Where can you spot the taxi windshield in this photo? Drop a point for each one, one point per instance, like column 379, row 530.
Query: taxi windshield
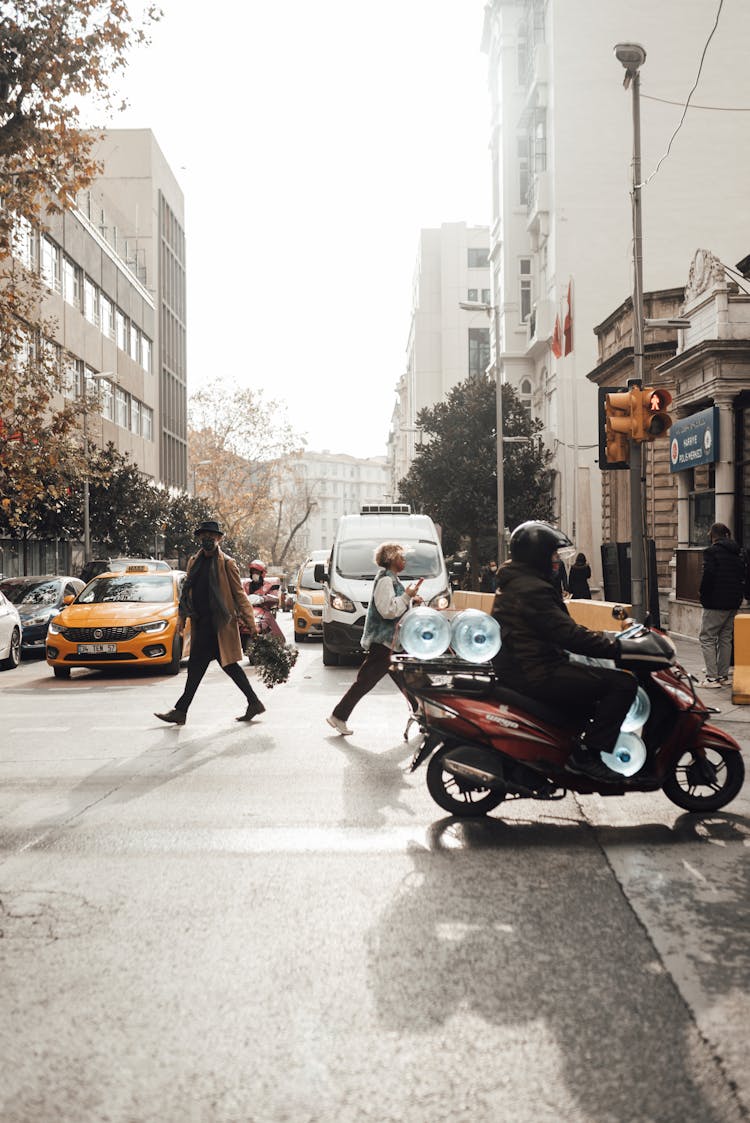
column 37, row 592
column 134, row 587
column 307, row 579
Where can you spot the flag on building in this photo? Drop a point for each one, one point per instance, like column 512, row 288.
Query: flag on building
column 568, row 323
column 556, row 340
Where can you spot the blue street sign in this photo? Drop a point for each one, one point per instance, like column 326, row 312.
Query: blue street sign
column 694, row 440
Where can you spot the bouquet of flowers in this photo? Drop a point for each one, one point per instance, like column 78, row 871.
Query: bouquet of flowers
column 272, row 660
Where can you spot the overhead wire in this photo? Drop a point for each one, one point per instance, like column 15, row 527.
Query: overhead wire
column 687, row 103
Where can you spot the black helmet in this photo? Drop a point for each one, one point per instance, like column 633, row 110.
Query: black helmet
column 534, row 543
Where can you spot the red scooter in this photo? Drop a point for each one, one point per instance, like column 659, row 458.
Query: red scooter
column 486, row 744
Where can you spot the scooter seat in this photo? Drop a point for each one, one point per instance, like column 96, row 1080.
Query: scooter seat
column 504, row 696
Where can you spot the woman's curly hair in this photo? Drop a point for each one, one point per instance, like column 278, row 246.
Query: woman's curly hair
column 387, row 552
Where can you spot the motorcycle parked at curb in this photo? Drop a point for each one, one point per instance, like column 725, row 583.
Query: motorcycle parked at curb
column 485, row 743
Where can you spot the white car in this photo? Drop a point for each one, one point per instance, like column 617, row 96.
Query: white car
column 10, row 635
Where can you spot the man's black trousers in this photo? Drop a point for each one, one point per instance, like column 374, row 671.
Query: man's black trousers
column 204, row 647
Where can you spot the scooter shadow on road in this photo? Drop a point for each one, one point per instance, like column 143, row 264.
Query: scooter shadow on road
column 373, row 783
column 522, row 925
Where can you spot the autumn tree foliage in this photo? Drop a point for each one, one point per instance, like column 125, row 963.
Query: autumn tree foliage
column 236, row 441
column 454, row 475
column 53, row 54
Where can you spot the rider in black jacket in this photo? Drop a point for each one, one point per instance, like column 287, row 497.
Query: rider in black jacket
column 537, row 632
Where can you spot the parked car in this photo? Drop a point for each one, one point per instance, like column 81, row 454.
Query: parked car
column 38, row 599
column 121, row 619
column 10, row 635
column 307, row 612
column 118, row 565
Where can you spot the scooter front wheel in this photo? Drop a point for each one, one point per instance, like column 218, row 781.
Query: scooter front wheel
column 707, row 781
column 455, row 795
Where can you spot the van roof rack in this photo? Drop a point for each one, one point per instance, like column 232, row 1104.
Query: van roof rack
column 385, row 509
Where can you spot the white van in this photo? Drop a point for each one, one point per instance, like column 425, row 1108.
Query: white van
column 349, row 576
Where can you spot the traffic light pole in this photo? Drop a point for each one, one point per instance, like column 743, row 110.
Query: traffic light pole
column 636, row 456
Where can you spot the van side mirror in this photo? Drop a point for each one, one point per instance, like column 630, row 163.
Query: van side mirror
column 319, row 573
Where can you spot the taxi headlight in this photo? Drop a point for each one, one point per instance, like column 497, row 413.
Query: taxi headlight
column 54, row 629
column 154, row 627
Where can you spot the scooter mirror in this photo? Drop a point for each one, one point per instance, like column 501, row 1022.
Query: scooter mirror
column 628, row 755
column 475, row 636
column 424, row 632
column 638, row 714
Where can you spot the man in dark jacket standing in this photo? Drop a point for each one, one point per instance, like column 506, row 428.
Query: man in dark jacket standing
column 212, row 598
column 723, row 585
column 537, row 632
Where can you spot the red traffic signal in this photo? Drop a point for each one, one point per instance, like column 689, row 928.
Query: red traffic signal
column 651, row 419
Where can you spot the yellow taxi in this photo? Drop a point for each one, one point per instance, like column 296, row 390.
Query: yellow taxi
column 307, row 611
column 126, row 619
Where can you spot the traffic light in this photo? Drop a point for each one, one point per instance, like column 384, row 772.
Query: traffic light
column 618, row 415
column 650, row 417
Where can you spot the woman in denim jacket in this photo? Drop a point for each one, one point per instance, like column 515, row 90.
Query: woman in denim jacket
column 390, row 600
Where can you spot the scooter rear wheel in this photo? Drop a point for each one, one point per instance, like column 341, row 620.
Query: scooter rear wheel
column 705, row 784
column 457, row 796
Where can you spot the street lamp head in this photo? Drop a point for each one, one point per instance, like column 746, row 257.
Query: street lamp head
column 632, row 56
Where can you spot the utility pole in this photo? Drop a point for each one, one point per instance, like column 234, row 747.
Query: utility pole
column 632, row 56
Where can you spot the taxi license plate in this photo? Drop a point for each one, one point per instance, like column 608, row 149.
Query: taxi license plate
column 97, row 648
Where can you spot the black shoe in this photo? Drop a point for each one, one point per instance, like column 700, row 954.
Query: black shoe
column 176, row 717
column 582, row 762
column 253, row 709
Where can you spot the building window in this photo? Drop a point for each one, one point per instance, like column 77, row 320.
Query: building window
column 23, row 241
column 524, row 393
column 108, row 398
column 479, row 351
column 146, row 353
column 147, row 423
column 473, row 294
column 72, row 377
column 121, row 408
column 71, row 283
column 106, row 316
column 485, row 297
column 134, row 348
column 135, row 416
column 524, row 288
column 50, row 263
column 478, row 258
column 523, row 170
column 702, row 506
column 121, row 330
column 90, row 302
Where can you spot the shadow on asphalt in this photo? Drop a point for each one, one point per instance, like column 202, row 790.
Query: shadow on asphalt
column 523, row 926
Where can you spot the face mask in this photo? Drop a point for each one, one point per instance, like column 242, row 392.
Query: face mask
column 208, row 544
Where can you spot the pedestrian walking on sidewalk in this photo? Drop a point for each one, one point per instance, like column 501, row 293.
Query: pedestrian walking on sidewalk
column 723, row 585
column 578, row 578
column 389, row 601
column 212, row 598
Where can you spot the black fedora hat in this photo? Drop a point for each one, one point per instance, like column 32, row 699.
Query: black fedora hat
column 209, row 526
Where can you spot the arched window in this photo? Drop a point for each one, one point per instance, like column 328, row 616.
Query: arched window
column 524, row 394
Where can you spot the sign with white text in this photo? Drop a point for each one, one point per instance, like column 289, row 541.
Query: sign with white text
column 694, row 440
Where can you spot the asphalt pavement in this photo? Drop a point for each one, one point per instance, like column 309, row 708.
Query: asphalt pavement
column 269, row 923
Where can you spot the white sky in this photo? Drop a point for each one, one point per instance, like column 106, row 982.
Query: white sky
column 313, row 141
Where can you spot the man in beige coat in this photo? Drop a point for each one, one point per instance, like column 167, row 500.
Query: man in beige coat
column 212, row 598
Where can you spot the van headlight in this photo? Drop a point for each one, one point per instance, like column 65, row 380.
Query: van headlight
column 441, row 601
column 341, row 603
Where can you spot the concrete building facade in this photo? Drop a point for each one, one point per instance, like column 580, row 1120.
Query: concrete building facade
column 446, row 343
column 144, row 214
column 561, row 142
column 339, row 484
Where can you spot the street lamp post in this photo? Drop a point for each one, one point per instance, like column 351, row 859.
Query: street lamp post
column 196, row 466
column 86, row 494
column 632, row 56
column 481, row 306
